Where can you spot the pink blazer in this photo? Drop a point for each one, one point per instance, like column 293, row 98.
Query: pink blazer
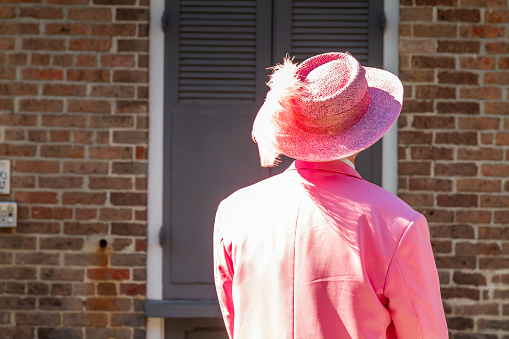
column 318, row 252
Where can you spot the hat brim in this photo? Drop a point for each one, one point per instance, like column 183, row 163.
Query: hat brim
column 386, row 97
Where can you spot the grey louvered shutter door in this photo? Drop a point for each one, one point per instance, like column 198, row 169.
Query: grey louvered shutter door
column 217, row 53
column 309, row 27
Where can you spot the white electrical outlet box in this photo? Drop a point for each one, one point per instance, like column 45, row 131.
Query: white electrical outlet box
column 5, row 176
column 8, row 214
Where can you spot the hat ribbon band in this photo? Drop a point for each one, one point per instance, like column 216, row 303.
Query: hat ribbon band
column 336, row 123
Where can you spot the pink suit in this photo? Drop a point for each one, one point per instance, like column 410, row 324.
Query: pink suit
column 318, row 252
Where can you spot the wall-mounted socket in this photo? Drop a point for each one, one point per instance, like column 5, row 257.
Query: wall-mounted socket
column 5, row 176
column 8, row 214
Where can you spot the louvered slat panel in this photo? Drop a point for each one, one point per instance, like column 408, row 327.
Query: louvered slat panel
column 217, row 54
column 323, row 26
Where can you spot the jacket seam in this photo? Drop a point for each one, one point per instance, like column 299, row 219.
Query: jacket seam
column 400, row 273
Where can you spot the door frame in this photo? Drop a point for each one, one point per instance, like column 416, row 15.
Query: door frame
column 155, row 326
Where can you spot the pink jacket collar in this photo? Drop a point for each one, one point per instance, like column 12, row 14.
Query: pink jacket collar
column 330, row 166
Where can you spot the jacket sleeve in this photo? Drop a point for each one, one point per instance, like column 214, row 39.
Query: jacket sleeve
column 412, row 286
column 223, row 277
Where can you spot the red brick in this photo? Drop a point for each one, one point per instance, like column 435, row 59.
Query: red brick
column 480, row 93
column 483, row 3
column 456, row 138
column 85, row 319
column 42, row 74
column 493, row 263
column 457, row 200
column 106, row 289
column 7, row 12
column 497, row 170
column 460, row 323
column 462, row 15
column 114, row 30
column 39, row 212
column 134, row 45
column 456, row 169
column 61, row 274
column 17, row 89
column 479, row 154
column 459, row 262
column 482, row 31
column 430, row 184
column 496, row 201
column 72, row 198
column 135, row 76
column 497, row 47
column 415, row 14
column 433, row 91
column 16, row 303
column 18, row 273
column 132, row 14
column 85, row 259
column 96, row 45
column 493, row 324
column 60, row 136
column 436, row 2
column 502, row 139
column 141, row 183
column 114, row 91
column 85, row 167
column 128, row 229
column 496, row 16
column 132, row 168
column 59, row 332
column 64, row 90
column 433, row 122
column 40, row 105
column 61, row 289
column 39, row 59
column 479, row 185
column 85, row 213
column 61, row 213
column 417, row 199
column 496, row 107
column 44, row 44
column 33, row 197
column 412, row 46
column 7, row 43
column 141, row 153
column 432, row 62
column 111, row 152
column 64, row 60
column 128, row 259
column 8, row 73
column 60, row 182
column 90, row 14
column 40, row 12
column 65, row 120
column 62, row 151
column 477, row 62
column 66, row 29
column 478, row 123
column 111, row 121
column 96, row 75
column 503, row 63
column 474, row 216
column 465, row 78
column 36, row 166
column 86, row 60
column 414, row 168
column 66, row 243
column 120, row 244
column 89, row 106
column 431, row 153
column 60, row 304
column 37, row 318
column 141, row 245
column 77, row 228
column 37, row 227
column 108, row 333
column 13, row 28
column 496, row 78
column 128, row 319
column 108, row 274
column 478, row 248
column 434, row 31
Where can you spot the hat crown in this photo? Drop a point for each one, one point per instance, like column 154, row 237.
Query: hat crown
column 334, row 83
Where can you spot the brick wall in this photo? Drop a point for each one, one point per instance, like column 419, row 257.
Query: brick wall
column 453, row 151
column 73, row 121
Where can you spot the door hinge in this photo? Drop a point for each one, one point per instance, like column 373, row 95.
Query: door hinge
column 162, row 236
column 164, row 21
column 383, row 22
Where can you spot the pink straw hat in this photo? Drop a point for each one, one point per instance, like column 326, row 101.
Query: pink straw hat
column 328, row 107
